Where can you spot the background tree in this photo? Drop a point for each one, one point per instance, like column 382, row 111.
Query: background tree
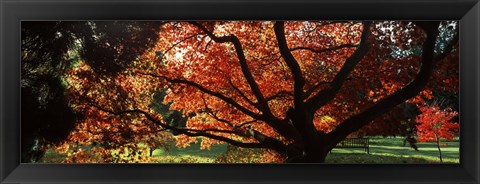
column 435, row 124
column 49, row 49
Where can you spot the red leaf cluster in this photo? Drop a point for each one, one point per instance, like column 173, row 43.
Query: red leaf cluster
column 435, row 123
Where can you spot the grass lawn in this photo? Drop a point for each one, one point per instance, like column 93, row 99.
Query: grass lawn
column 390, row 150
column 382, row 151
column 191, row 154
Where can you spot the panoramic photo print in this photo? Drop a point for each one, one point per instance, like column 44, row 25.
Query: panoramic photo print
column 335, row 92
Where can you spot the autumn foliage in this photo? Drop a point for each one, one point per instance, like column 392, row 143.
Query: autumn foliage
column 292, row 88
column 435, row 124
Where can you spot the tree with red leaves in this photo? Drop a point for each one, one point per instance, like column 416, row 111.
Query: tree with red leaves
column 293, row 88
column 435, row 123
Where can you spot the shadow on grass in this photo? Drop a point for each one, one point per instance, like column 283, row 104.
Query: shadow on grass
column 359, row 158
column 193, row 149
column 391, row 150
column 421, row 151
column 382, row 151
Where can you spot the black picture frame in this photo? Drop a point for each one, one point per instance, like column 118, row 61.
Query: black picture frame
column 12, row 12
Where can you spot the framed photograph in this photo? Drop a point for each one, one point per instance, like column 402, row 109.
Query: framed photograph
column 239, row 91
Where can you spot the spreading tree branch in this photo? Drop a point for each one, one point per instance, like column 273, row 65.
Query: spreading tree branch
column 243, row 64
column 292, row 64
column 325, row 49
column 326, row 95
column 283, row 128
column 280, row 94
column 210, row 92
column 315, row 87
column 242, row 94
column 209, row 112
column 264, row 141
column 357, row 121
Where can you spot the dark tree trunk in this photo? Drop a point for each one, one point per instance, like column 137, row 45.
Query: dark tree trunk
column 316, row 155
column 438, row 146
column 311, row 154
column 309, row 150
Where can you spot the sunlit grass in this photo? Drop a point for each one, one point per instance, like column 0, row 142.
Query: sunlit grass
column 391, row 150
column 382, row 151
column 190, row 154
